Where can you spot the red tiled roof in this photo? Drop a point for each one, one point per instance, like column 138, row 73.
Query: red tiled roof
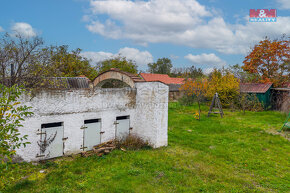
column 177, row 80
column 255, row 87
column 162, row 78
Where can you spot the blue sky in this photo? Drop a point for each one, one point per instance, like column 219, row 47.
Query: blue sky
column 204, row 33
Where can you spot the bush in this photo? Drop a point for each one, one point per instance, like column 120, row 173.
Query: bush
column 186, row 100
column 12, row 113
column 248, row 102
column 132, row 142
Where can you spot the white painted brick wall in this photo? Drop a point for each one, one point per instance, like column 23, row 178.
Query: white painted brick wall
column 148, row 116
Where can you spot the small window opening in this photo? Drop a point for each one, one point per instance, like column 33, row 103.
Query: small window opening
column 48, row 125
column 92, row 121
column 123, row 117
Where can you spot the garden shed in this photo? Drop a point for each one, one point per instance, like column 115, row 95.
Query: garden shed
column 261, row 90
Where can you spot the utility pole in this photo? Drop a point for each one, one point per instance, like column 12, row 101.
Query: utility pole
column 12, row 74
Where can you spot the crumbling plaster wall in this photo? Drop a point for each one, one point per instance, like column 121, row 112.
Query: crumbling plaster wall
column 146, row 105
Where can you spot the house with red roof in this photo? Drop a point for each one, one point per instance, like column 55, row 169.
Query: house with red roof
column 164, row 78
column 173, row 83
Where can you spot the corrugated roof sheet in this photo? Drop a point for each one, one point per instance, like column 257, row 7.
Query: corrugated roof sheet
column 68, row 82
column 161, row 78
column 255, row 87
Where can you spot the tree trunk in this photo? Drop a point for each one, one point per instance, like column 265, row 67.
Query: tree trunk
column 199, row 111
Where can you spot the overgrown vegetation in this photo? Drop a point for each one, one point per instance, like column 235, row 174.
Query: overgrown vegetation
column 221, row 81
column 187, row 100
column 249, row 102
column 68, row 63
column 132, row 142
column 11, row 115
column 237, row 153
column 27, row 61
column 120, row 63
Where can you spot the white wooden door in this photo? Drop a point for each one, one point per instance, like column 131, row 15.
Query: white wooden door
column 122, row 127
column 51, row 140
column 92, row 134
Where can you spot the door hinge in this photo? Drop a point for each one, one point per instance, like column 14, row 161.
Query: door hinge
column 116, row 123
column 65, row 138
column 39, row 155
column 41, row 133
column 83, row 148
column 102, row 132
column 83, row 127
column 131, row 128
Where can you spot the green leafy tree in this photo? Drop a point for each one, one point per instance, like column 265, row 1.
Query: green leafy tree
column 178, row 72
column 162, row 66
column 195, row 73
column 65, row 63
column 189, row 72
column 118, row 62
column 11, row 115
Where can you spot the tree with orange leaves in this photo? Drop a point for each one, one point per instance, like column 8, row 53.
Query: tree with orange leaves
column 269, row 61
column 198, row 88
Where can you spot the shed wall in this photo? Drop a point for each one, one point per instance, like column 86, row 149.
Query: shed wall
column 146, row 105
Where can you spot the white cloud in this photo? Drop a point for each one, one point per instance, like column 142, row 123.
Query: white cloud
column 183, row 22
column 23, row 29
column 142, row 58
column 205, row 59
column 284, row 4
column 1, row 29
column 97, row 57
column 141, row 17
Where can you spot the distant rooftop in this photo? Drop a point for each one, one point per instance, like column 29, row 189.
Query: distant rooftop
column 164, row 78
column 255, row 87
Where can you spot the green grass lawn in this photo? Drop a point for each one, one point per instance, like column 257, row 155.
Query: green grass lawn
column 238, row 153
